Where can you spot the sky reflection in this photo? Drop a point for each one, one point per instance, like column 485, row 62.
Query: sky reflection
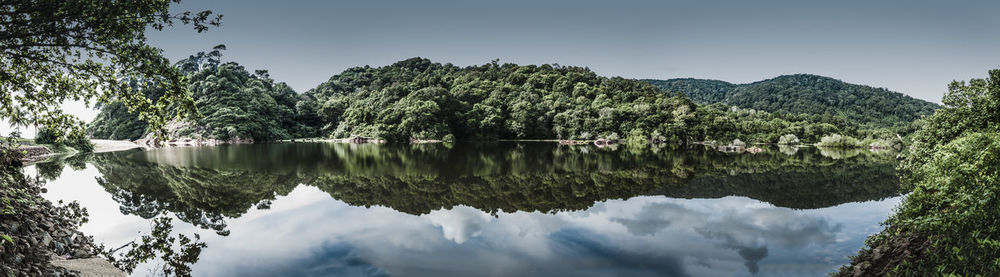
column 308, row 233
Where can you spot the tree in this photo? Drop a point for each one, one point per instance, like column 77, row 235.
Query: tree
column 972, row 106
column 789, row 139
column 52, row 51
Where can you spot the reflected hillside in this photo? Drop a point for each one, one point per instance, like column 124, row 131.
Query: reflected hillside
column 204, row 185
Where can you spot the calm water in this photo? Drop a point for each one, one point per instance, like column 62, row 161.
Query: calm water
column 504, row 209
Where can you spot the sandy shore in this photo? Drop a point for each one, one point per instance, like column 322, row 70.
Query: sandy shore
column 103, row 145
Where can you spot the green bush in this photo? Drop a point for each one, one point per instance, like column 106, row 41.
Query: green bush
column 789, row 139
column 838, row 141
column 955, row 205
column 80, row 143
column 948, row 225
column 738, row 142
column 48, row 136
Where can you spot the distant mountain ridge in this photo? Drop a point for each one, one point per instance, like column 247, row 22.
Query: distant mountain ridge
column 806, row 94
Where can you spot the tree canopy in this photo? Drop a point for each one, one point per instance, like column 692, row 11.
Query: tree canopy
column 232, row 104
column 52, row 51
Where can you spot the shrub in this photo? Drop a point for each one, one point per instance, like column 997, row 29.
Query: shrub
column 636, row 137
column 836, row 140
column 80, row 143
column 954, row 208
column 788, row 139
column 738, row 142
column 48, row 136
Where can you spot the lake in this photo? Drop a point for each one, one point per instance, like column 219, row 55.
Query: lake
column 492, row 209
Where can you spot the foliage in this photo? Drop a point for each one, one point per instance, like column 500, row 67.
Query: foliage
column 48, row 136
column 725, row 123
column 233, row 104
column 808, row 94
column 947, row 225
column 838, row 141
column 789, row 139
column 115, row 120
column 54, row 51
column 158, row 244
column 700, row 91
column 418, row 99
column 972, row 106
column 57, row 139
column 738, row 142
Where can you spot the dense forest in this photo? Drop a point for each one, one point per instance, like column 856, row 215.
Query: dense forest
column 232, row 104
column 417, row 99
column 807, row 94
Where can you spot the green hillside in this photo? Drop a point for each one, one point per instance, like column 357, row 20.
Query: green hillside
column 416, row 99
column 808, row 94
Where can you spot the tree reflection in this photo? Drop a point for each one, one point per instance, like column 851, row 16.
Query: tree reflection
column 205, row 185
column 177, row 253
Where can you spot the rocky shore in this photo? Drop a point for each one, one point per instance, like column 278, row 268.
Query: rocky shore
column 35, row 231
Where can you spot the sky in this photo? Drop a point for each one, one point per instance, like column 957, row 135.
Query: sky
column 913, row 47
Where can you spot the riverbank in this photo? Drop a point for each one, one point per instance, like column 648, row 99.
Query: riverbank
column 34, row 153
column 34, row 230
column 41, row 238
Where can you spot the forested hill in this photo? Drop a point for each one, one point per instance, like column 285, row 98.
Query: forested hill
column 416, row 99
column 701, row 91
column 233, row 104
column 420, row 99
column 808, row 94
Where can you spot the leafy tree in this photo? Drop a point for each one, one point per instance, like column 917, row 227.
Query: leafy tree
column 52, row 51
column 233, row 105
column 972, row 106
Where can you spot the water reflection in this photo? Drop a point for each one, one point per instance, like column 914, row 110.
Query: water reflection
column 511, row 209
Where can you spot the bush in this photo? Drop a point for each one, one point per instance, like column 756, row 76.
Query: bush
column 836, row 140
column 738, row 142
column 613, row 137
column 953, row 208
column 636, row 137
column 80, row 143
column 789, row 139
column 48, row 136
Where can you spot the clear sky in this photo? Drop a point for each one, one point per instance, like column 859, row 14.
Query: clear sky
column 915, row 47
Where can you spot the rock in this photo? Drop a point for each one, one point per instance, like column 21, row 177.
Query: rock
column 79, row 253
column 46, row 239
column 59, row 247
